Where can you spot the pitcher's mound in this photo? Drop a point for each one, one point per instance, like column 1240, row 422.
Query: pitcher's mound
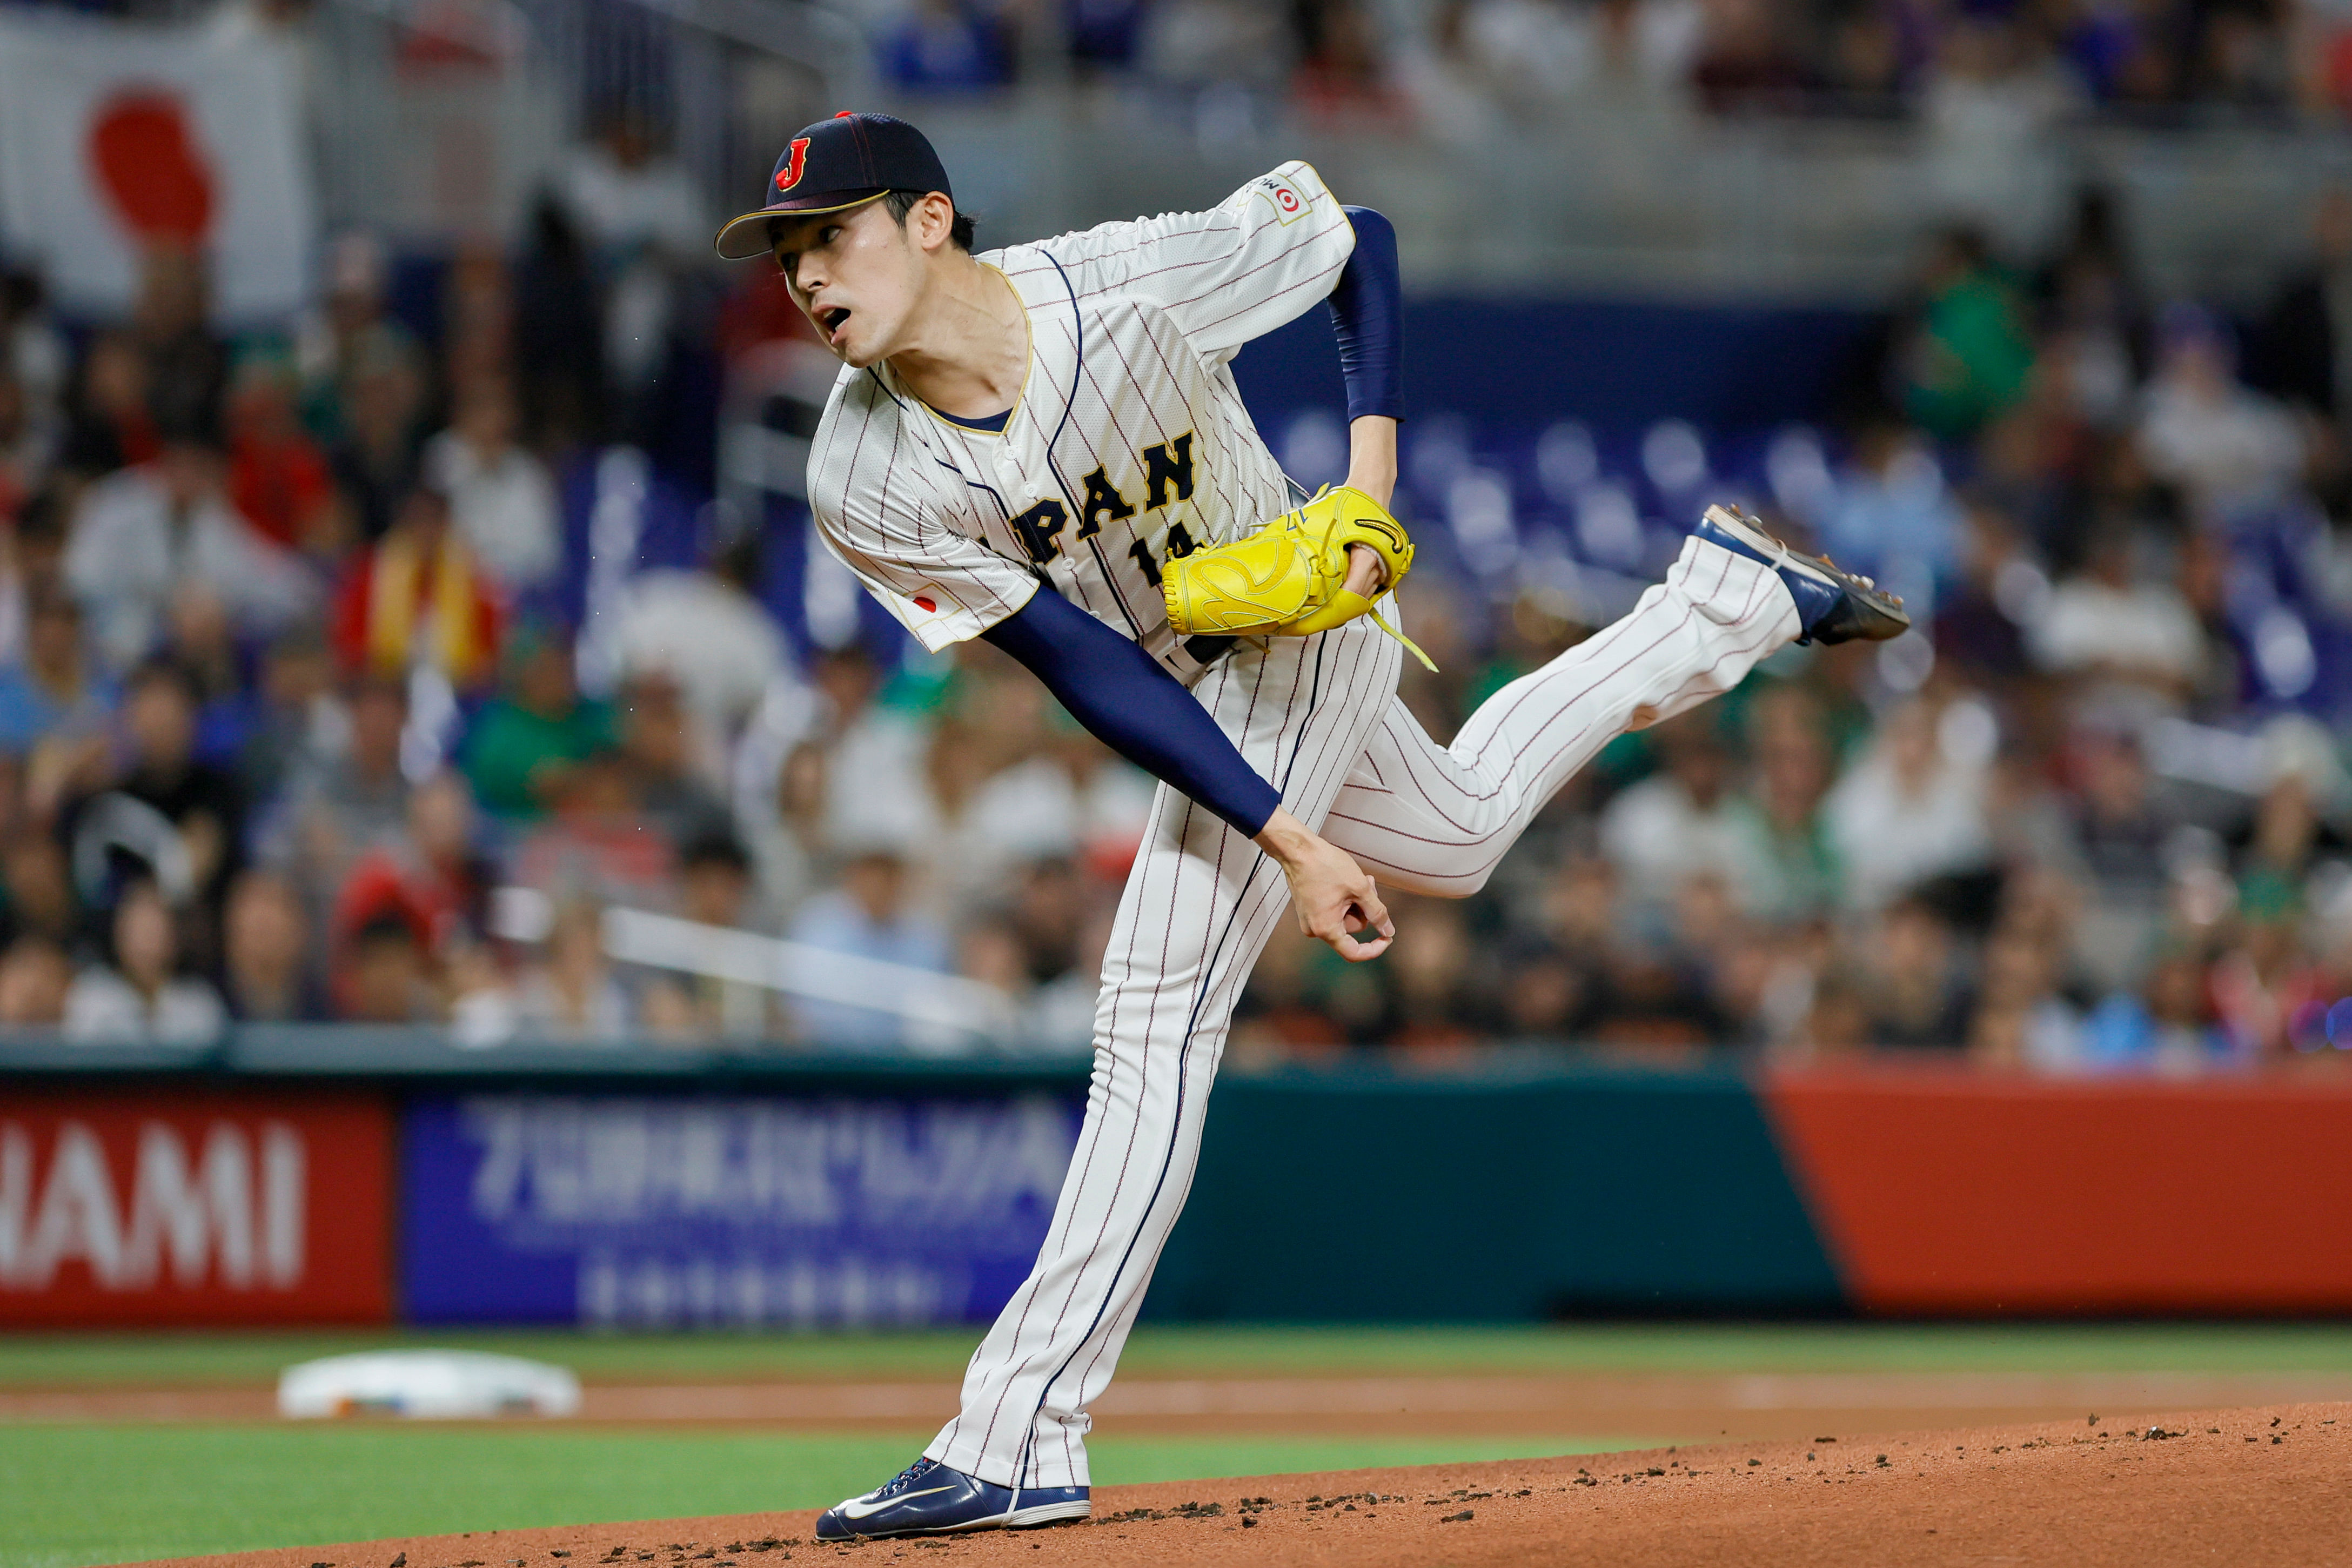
column 2266, row 1485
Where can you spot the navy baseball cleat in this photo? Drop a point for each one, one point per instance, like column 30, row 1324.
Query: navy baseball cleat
column 1832, row 606
column 928, row 1499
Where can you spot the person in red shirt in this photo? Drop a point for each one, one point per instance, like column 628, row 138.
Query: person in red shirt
column 430, row 879
column 277, row 476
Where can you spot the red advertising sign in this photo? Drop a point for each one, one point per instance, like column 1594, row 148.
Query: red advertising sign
column 1945, row 1192
column 194, row 1207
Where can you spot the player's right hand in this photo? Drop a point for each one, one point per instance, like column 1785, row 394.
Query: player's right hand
column 1333, row 896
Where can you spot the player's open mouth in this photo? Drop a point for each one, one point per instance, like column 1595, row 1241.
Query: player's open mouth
column 831, row 320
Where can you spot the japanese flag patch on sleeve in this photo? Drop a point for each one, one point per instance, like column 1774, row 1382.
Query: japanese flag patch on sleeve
column 926, row 603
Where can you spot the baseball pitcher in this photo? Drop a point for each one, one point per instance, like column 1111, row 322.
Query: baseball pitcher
column 1043, row 445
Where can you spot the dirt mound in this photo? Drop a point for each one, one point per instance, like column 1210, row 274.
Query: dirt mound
column 2260, row 1486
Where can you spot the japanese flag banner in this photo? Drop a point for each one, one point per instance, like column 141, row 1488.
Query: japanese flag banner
column 115, row 137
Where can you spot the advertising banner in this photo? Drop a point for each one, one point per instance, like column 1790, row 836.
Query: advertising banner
column 641, row 1212
column 194, row 1207
column 1952, row 1193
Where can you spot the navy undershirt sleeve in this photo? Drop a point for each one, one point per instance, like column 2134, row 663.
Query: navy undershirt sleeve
column 1130, row 704
column 1368, row 314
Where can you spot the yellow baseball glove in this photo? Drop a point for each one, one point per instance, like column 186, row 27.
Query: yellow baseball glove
column 1290, row 578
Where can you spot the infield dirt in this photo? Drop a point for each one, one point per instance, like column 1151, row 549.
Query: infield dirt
column 2260, row 1486
column 1745, row 1404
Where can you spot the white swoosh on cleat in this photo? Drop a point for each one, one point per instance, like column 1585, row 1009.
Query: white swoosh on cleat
column 858, row 1508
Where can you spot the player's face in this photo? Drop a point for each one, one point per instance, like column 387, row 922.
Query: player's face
column 857, row 274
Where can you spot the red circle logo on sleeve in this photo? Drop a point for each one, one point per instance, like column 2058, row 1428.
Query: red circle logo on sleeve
column 926, row 604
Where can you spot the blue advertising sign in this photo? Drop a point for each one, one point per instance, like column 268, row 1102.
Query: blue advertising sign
column 616, row 1211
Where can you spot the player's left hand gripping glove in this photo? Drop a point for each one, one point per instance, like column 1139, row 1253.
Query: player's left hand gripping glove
column 1290, row 578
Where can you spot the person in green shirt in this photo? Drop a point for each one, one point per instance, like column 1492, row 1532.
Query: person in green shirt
column 1972, row 351
column 527, row 741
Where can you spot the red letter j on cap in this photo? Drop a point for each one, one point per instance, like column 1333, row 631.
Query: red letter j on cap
column 790, row 174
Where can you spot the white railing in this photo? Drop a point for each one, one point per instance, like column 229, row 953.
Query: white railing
column 940, row 1006
column 942, row 1013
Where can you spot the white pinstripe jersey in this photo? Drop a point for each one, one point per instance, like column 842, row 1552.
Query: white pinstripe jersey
column 1130, row 439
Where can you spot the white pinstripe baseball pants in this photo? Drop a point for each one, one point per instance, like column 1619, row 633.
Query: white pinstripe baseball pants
column 1320, row 717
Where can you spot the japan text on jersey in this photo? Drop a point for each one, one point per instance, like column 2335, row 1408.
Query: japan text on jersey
column 1129, row 442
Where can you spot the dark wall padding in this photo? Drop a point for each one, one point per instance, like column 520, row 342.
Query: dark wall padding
column 1375, row 1195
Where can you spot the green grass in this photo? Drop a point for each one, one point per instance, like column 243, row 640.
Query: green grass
column 75, row 1495
column 30, row 1360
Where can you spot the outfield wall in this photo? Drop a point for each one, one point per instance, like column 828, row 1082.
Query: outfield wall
column 324, row 1179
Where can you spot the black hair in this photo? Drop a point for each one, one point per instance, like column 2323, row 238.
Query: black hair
column 382, row 928
column 901, row 203
column 162, row 669
column 42, row 519
column 1969, row 244
column 187, row 414
column 739, row 561
column 715, row 847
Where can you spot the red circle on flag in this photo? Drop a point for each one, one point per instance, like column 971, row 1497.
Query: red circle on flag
column 145, row 155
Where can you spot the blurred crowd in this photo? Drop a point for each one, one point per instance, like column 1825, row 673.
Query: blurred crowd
column 363, row 669
column 2092, row 814
column 290, row 695
column 339, row 682
column 1453, row 65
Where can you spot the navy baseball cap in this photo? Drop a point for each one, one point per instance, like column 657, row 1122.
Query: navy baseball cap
column 833, row 165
